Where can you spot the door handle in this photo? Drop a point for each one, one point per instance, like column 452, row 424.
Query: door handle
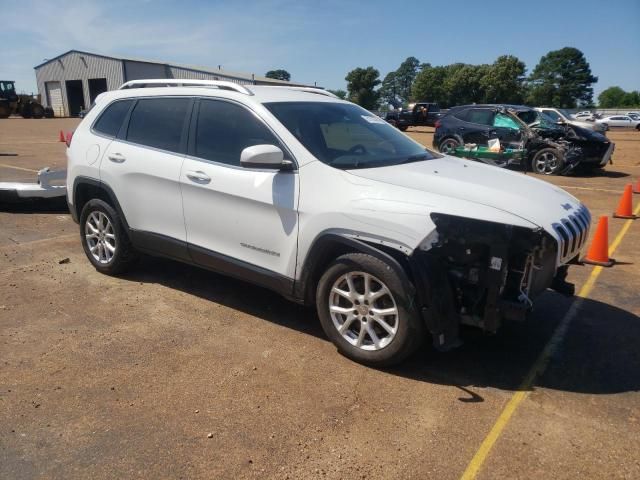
column 198, row 176
column 116, row 157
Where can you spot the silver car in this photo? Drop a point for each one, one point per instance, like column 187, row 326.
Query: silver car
column 560, row 115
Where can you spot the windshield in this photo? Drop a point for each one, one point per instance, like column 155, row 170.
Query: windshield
column 347, row 136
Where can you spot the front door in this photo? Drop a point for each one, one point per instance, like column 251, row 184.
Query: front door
column 507, row 130
column 240, row 221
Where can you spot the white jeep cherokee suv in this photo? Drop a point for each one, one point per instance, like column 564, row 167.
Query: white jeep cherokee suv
column 318, row 199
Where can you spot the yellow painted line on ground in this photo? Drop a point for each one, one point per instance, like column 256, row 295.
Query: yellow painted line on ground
column 589, row 188
column 18, row 168
column 539, row 366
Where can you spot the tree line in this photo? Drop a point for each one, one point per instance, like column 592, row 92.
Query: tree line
column 562, row 78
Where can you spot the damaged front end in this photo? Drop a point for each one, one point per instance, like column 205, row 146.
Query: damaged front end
column 480, row 273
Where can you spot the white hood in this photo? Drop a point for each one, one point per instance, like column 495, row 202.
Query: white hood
column 520, row 195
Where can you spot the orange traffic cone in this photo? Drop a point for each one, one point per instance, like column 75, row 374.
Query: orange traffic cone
column 61, row 136
column 69, row 137
column 637, row 189
column 625, row 207
column 599, row 251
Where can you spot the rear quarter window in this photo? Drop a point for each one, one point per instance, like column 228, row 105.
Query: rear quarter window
column 111, row 119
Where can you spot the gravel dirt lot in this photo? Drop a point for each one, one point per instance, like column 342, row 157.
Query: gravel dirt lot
column 176, row 372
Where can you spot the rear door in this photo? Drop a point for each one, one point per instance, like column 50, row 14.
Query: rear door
column 477, row 125
column 238, row 219
column 142, row 167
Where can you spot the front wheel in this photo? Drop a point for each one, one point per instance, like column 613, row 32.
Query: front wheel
column 548, row 161
column 366, row 312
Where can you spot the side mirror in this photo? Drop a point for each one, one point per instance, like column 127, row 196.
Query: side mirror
column 263, row 156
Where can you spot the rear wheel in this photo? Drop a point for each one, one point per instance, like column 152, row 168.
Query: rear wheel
column 366, row 312
column 548, row 161
column 104, row 239
column 448, row 146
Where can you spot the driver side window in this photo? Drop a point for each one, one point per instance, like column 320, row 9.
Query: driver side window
column 224, row 129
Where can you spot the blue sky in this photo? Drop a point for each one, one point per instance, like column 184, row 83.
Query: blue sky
column 321, row 41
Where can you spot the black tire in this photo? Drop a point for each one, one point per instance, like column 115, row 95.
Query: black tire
column 124, row 254
column 547, row 161
column 5, row 110
column 448, row 145
column 407, row 324
column 37, row 111
column 402, row 128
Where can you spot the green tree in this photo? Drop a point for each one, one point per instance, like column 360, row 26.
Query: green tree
column 404, row 77
column 631, row 99
column 611, row 97
column 339, row 93
column 463, row 83
column 429, row 85
column 278, row 75
column 388, row 92
column 361, row 84
column 503, row 81
column 561, row 79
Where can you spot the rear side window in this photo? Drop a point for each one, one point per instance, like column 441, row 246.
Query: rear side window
column 111, row 119
column 480, row 116
column 225, row 129
column 158, row 122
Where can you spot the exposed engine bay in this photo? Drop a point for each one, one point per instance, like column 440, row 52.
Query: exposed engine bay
column 480, row 273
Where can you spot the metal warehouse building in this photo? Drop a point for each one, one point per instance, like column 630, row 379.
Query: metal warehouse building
column 70, row 82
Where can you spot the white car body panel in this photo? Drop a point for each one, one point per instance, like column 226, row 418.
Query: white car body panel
column 147, row 185
column 243, row 213
column 619, row 121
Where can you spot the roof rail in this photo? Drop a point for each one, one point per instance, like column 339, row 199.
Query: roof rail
column 317, row 90
column 177, row 82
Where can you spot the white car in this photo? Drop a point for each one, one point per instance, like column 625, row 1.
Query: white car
column 560, row 115
column 322, row 201
column 582, row 115
column 619, row 121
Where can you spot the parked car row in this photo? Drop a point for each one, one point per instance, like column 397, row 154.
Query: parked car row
column 552, row 148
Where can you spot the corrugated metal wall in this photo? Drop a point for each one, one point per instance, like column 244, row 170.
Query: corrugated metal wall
column 177, row 72
column 79, row 66
column 141, row 70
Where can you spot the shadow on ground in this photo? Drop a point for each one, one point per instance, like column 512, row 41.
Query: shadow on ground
column 600, row 353
column 597, row 173
column 37, row 205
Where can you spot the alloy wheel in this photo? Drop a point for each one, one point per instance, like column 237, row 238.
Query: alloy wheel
column 363, row 311
column 546, row 163
column 100, row 237
column 448, row 146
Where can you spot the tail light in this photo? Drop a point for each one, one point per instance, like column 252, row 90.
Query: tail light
column 437, row 124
